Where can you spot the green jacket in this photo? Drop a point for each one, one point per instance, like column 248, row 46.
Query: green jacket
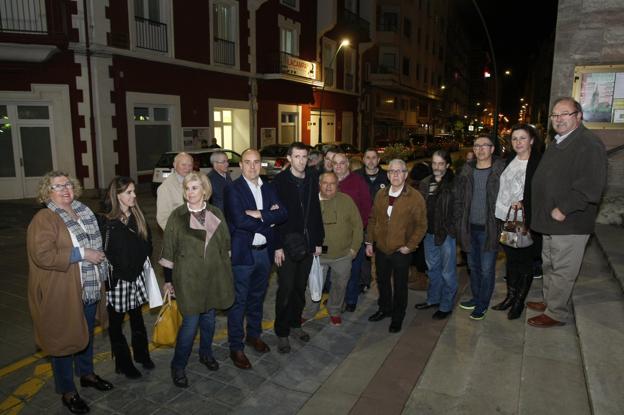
column 202, row 273
column 343, row 226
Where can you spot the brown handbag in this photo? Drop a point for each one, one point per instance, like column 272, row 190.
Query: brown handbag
column 515, row 233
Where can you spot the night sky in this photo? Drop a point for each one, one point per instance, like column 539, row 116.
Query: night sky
column 518, row 30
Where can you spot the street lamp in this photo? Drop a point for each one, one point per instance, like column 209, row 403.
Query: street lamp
column 345, row 42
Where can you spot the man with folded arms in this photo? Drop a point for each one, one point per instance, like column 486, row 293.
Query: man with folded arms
column 397, row 225
column 252, row 209
column 567, row 187
column 343, row 238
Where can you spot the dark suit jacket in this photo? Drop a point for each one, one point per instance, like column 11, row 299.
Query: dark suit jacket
column 238, row 199
column 219, row 183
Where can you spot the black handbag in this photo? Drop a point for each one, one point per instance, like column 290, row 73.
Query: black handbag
column 295, row 246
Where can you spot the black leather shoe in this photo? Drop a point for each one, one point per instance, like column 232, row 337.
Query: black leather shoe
column 75, row 404
column 395, row 327
column 378, row 316
column 148, row 364
column 179, row 378
column 210, row 362
column 424, row 306
column 99, row 383
column 350, row 307
column 440, row 315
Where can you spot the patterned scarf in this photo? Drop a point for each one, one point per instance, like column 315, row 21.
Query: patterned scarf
column 90, row 274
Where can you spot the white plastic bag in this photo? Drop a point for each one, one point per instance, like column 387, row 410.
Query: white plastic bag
column 151, row 283
column 316, row 280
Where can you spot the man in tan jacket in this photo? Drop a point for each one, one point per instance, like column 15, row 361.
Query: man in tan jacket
column 397, row 224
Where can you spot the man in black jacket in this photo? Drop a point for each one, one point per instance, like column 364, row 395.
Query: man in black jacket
column 567, row 187
column 219, row 177
column 300, row 238
column 439, row 192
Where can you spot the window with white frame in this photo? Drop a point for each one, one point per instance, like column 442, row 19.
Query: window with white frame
column 224, row 32
column 388, row 58
column 289, row 127
column 289, row 35
column 152, row 133
column 329, row 48
column 150, row 25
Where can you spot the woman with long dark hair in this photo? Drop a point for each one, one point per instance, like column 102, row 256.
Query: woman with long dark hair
column 128, row 244
column 515, row 192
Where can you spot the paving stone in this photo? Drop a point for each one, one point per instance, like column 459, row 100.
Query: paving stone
column 274, row 399
column 140, row 407
column 307, row 370
column 231, row 395
column 187, row 403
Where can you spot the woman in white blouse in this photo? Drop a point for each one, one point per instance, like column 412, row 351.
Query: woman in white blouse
column 515, row 192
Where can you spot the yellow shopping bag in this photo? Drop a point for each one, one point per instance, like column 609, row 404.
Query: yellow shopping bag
column 168, row 322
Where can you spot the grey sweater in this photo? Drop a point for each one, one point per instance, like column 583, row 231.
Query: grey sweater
column 571, row 176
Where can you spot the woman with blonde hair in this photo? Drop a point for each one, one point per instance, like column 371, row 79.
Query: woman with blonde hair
column 65, row 285
column 196, row 245
column 128, row 244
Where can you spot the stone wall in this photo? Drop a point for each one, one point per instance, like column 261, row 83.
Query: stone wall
column 589, row 32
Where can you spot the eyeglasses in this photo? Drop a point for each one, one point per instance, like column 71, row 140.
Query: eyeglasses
column 480, row 146
column 563, row 115
column 60, row 187
column 396, row 171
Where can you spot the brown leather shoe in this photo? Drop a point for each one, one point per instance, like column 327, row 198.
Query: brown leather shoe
column 537, row 305
column 239, row 359
column 544, row 321
column 258, row 345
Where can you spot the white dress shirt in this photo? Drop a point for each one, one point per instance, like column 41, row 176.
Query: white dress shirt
column 256, row 191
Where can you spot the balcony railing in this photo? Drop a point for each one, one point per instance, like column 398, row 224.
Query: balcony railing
column 33, row 17
column 224, row 51
column 150, row 34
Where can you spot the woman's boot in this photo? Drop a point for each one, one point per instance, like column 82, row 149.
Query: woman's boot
column 524, row 286
column 512, row 281
column 140, row 349
column 123, row 360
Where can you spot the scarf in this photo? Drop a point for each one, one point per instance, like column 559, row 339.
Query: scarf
column 89, row 237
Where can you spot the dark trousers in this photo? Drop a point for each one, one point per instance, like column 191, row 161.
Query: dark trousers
column 392, row 294
column 250, row 283
column 119, row 344
column 292, row 278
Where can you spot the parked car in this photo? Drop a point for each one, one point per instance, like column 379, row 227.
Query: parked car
column 273, row 160
column 201, row 162
column 349, row 149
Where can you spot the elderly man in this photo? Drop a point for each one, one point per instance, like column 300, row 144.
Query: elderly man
column 396, row 227
column 300, row 238
column 354, row 185
column 478, row 229
column 219, row 177
column 343, row 238
column 567, row 187
column 169, row 193
column 252, row 210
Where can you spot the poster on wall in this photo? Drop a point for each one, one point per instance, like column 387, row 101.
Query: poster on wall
column 597, row 93
column 196, row 137
column 267, row 136
column 618, row 99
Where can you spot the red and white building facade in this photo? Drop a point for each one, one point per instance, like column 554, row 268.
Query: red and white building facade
column 100, row 88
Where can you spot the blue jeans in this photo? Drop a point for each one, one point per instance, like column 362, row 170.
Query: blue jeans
column 250, row 283
column 186, row 337
column 353, row 287
column 82, row 362
column 482, row 265
column 442, row 271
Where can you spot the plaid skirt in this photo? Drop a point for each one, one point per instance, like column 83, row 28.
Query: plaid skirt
column 128, row 295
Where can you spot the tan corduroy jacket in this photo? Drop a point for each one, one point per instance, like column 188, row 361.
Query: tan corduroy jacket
column 54, row 288
column 405, row 227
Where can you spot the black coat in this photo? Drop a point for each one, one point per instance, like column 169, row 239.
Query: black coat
column 126, row 250
column 295, row 200
column 443, row 203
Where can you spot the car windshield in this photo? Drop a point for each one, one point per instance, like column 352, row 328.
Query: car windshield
column 274, row 151
column 166, row 160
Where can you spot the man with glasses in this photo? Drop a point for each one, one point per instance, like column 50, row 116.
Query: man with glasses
column 219, row 177
column 477, row 227
column 397, row 225
column 567, row 187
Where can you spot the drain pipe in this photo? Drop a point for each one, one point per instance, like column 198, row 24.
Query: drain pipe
column 91, row 107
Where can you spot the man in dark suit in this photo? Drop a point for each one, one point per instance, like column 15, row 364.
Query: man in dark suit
column 252, row 209
column 219, row 177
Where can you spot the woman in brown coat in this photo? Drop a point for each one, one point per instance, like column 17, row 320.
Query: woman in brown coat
column 66, row 267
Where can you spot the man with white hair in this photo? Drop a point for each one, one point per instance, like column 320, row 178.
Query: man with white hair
column 397, row 225
column 219, row 177
column 170, row 194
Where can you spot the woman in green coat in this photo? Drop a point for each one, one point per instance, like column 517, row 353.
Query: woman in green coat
column 196, row 246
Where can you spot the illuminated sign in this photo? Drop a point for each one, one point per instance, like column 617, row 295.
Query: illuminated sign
column 294, row 66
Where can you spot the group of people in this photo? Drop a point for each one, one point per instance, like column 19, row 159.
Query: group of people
column 223, row 236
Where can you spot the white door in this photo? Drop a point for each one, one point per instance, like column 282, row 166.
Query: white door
column 26, row 152
column 329, row 130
